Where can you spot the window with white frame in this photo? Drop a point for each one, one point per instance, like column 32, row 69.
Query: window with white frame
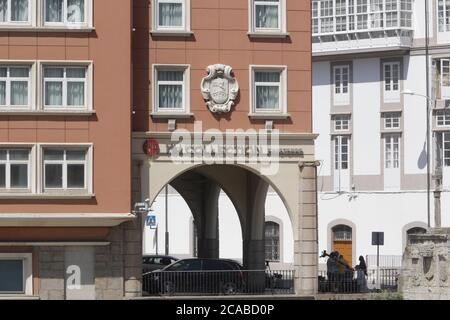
column 444, row 15
column 14, row 169
column 268, row 16
column 272, row 239
column 392, row 151
column 342, row 123
column 391, row 120
column 326, row 16
column 16, row 274
column 170, row 15
column 269, row 90
column 65, row 87
column 443, row 118
column 15, row 86
column 391, row 74
column 445, row 78
column 65, row 12
column 171, row 89
column 341, row 153
column 446, row 149
column 65, row 169
column 342, row 16
column 341, row 84
column 15, row 12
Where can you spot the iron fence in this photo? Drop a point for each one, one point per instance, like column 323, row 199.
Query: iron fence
column 386, row 279
column 244, row 282
column 385, row 261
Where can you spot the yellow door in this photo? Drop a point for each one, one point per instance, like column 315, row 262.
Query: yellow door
column 345, row 249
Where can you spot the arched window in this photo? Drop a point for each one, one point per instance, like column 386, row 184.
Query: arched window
column 342, row 233
column 272, row 234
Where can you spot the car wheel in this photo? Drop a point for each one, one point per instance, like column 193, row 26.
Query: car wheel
column 168, row 288
column 229, row 288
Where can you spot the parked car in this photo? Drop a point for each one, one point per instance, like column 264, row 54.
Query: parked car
column 156, row 262
column 194, row 276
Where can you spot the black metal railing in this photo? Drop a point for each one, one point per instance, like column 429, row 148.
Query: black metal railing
column 356, row 282
column 244, row 282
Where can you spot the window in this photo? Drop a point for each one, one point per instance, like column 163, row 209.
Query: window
column 342, row 233
column 443, row 118
column 171, row 92
column 326, row 16
column 15, row 12
column 171, row 15
column 268, row 16
column 341, row 85
column 392, row 120
column 341, row 153
column 14, row 169
column 445, row 78
column 444, row 15
column 392, row 151
column 65, row 169
column 376, row 14
column 16, row 274
column 391, row 73
column 65, row 87
column 343, row 16
column 269, row 90
column 446, row 148
column 342, row 123
column 315, row 16
column 272, row 245
column 15, row 87
column 65, row 12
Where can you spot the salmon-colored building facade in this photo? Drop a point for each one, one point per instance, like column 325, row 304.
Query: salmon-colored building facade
column 205, row 67
column 91, row 94
column 65, row 142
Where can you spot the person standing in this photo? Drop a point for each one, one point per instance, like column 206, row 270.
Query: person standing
column 361, row 275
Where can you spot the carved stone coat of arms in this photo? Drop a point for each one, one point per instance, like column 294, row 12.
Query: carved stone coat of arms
column 219, row 88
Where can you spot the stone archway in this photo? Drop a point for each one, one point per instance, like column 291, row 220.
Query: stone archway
column 246, row 186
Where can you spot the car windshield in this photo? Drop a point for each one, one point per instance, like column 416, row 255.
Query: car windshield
column 184, row 265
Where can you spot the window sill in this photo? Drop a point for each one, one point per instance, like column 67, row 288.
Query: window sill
column 396, row 130
column 275, row 35
column 44, row 196
column 269, row 116
column 18, row 297
column 160, row 115
column 177, row 33
column 47, row 113
column 46, row 29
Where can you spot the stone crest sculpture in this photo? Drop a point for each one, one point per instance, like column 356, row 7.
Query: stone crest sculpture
column 219, row 88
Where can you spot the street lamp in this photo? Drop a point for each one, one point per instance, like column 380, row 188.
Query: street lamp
column 429, row 100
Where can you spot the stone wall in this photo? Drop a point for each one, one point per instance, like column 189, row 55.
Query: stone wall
column 425, row 270
column 51, row 273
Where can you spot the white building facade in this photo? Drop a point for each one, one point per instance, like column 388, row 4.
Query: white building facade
column 369, row 109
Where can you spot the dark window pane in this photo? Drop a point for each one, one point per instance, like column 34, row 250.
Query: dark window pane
column 75, row 176
column 53, row 176
column 19, row 176
column 11, row 276
column 2, row 176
